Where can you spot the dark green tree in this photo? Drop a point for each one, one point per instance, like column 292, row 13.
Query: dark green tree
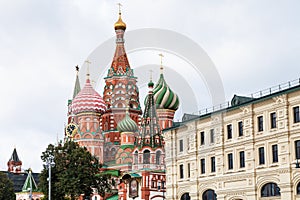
column 75, row 172
column 6, row 188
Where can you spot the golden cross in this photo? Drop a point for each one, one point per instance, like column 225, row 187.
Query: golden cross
column 88, row 67
column 151, row 71
column 119, row 4
column 161, row 66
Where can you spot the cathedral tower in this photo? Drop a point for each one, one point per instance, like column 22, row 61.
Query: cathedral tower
column 167, row 102
column 120, row 86
column 85, row 119
column 14, row 164
column 149, row 148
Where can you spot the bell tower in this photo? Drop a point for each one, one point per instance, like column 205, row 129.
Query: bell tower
column 120, row 86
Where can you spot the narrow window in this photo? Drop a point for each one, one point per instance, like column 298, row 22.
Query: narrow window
column 296, row 114
column 230, row 161
column 275, row 153
column 181, row 171
column 212, row 135
column 242, row 159
column 189, row 170
column 273, row 119
column 260, row 124
column 202, row 166
column 261, row 153
column 180, row 145
column 240, row 126
column 202, row 138
column 297, row 149
column 213, row 164
column 229, row 131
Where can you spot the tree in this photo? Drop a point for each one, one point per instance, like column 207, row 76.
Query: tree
column 6, row 188
column 75, row 172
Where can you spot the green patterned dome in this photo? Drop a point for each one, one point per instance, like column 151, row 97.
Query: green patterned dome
column 127, row 124
column 164, row 97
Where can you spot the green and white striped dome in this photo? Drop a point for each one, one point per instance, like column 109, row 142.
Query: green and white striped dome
column 164, row 97
column 127, row 124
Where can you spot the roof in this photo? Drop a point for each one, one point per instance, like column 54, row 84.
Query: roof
column 18, row 179
column 14, row 156
column 292, row 87
column 114, row 197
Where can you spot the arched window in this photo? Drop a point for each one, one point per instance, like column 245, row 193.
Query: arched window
column 209, row 195
column 113, row 152
column 136, row 160
column 270, row 190
column 158, row 154
column 146, row 156
column 185, row 196
column 298, row 188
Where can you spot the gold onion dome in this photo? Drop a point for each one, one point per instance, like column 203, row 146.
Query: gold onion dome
column 120, row 24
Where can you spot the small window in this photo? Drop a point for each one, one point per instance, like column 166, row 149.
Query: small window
column 229, row 131
column 261, row 154
column 213, row 164
column 273, row 119
column 242, row 159
column 203, row 166
column 240, row 127
column 275, row 153
column 209, row 195
column 202, row 138
column 189, row 170
column 181, row 145
column 298, row 188
column 146, row 157
column 297, row 149
column 212, row 136
column 230, row 161
column 181, row 171
column 296, row 114
column 260, row 124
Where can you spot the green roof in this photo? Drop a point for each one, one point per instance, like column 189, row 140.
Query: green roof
column 114, row 197
column 112, row 172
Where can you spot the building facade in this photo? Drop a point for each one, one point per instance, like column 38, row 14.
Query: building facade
column 248, row 151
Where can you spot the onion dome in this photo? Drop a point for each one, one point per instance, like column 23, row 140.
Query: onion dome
column 120, row 24
column 127, row 124
column 164, row 97
column 88, row 100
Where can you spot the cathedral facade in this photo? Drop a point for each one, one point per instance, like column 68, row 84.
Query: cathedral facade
column 114, row 128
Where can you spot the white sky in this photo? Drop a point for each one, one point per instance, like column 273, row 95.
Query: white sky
column 253, row 44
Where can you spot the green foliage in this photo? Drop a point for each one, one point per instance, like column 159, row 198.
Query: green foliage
column 6, row 188
column 75, row 172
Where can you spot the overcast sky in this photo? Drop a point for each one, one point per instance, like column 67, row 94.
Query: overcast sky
column 253, row 44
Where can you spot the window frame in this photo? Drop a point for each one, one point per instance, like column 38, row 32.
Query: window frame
column 212, row 136
column 229, row 131
column 240, row 128
column 242, row 159
column 202, row 138
column 213, row 164
column 230, row 161
column 296, row 114
column 260, row 123
column 202, row 166
column 181, row 171
column 181, row 145
column 261, row 156
column 273, row 118
column 274, row 153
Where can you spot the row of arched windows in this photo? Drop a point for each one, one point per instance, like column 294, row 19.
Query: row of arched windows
column 146, row 157
column 268, row 190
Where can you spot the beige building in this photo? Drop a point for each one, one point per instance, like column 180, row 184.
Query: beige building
column 247, row 151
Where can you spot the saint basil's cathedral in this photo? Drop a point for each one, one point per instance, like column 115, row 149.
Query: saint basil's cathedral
column 114, row 128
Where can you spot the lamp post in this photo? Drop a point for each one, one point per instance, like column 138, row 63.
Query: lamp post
column 49, row 164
